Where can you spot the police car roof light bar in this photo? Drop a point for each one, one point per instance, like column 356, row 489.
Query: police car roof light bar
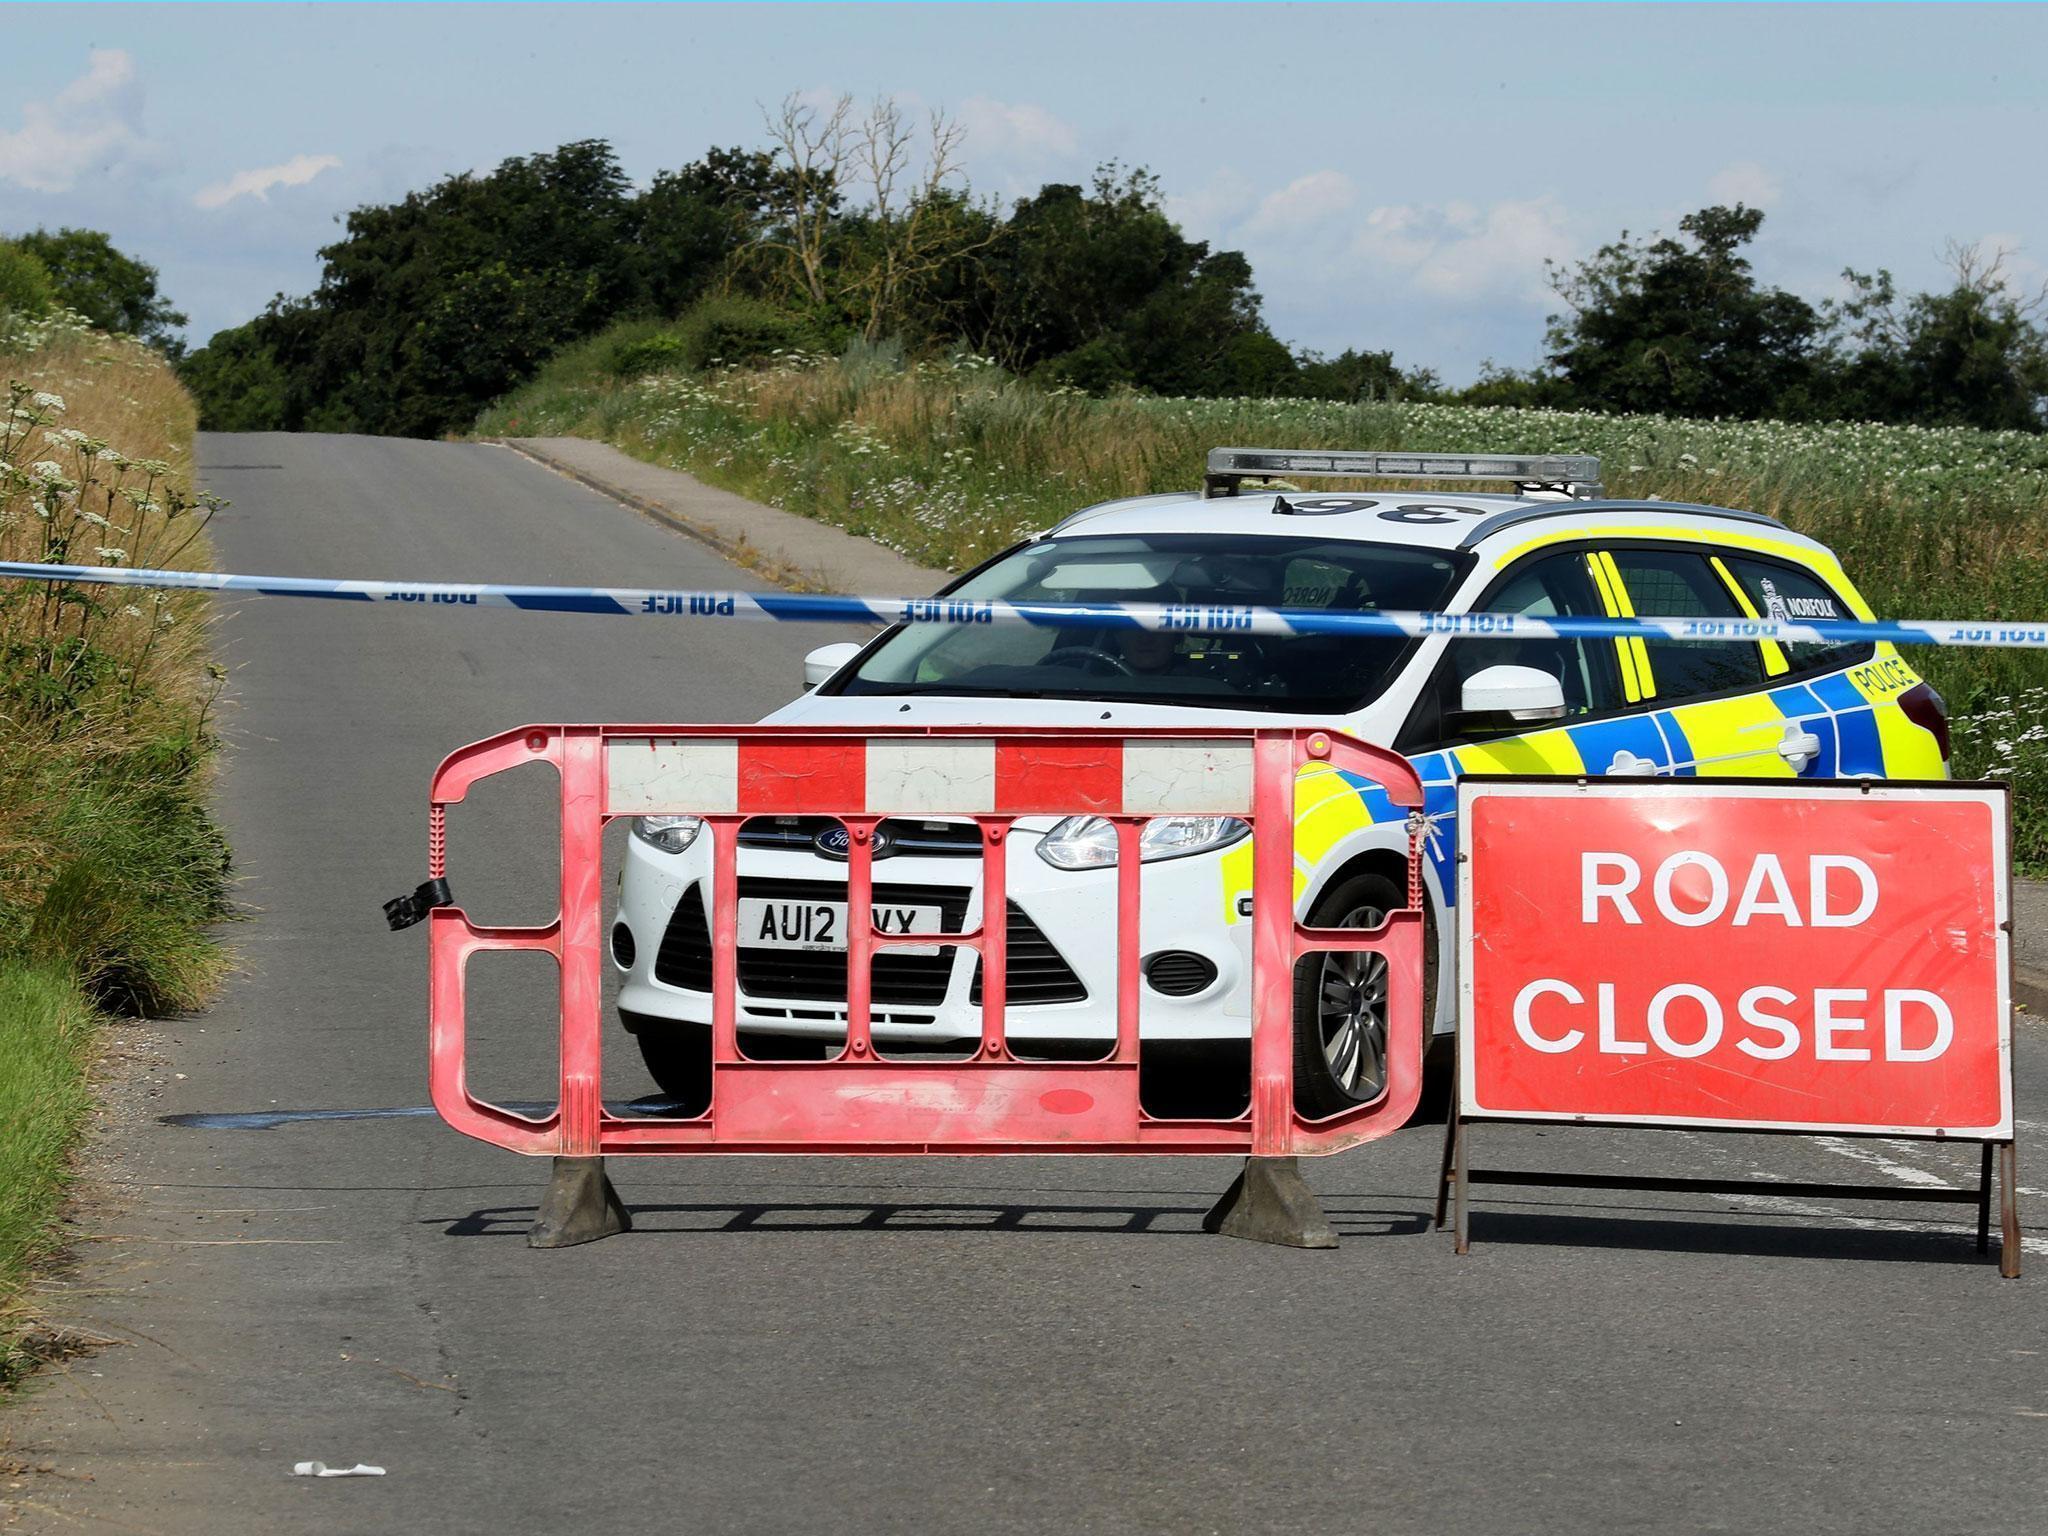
column 1572, row 474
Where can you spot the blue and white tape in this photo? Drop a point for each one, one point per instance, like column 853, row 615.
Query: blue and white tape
column 1197, row 618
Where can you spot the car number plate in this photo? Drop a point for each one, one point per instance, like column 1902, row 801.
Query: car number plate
column 765, row 923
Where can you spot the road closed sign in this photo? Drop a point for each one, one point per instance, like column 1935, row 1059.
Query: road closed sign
column 1769, row 955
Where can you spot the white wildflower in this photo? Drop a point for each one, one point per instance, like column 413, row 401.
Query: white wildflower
column 109, row 555
column 50, row 473
column 44, row 400
column 128, row 610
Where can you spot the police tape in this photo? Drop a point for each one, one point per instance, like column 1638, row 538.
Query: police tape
column 963, row 612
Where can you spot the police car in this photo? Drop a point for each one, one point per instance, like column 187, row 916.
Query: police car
column 1453, row 706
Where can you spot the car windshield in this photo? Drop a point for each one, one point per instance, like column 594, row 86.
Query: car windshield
column 1326, row 674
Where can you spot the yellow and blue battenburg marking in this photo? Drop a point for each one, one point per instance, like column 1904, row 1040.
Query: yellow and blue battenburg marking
column 1852, row 714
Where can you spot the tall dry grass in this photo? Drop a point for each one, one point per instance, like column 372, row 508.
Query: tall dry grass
column 111, row 868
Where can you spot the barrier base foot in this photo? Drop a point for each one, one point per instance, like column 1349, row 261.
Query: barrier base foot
column 1270, row 1202
column 580, row 1206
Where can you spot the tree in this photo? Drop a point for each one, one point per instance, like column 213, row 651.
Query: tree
column 1099, row 287
column 865, row 219
column 688, row 226
column 25, row 286
column 432, row 306
column 816, row 148
column 238, row 382
column 1683, row 327
column 1352, row 376
column 1974, row 355
column 113, row 291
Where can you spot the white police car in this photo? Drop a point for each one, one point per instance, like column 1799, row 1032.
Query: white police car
column 1453, row 706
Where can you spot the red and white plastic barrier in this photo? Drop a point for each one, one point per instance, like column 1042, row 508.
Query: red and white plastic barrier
column 861, row 1102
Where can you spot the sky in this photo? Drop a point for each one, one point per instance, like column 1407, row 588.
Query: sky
column 1398, row 175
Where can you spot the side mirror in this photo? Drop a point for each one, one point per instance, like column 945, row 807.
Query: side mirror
column 827, row 659
column 1502, row 698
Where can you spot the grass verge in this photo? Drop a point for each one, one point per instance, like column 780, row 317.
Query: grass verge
column 111, row 867
column 46, row 1045
column 949, row 462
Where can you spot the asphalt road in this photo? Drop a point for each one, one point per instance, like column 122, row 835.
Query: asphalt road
column 888, row 1345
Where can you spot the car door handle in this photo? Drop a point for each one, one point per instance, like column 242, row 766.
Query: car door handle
column 1798, row 746
column 1627, row 765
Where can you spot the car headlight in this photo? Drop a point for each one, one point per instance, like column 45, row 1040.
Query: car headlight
column 671, row 834
column 1089, row 842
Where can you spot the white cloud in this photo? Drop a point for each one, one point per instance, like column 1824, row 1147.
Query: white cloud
column 92, row 126
column 1745, row 182
column 1215, row 207
column 1016, row 130
column 260, row 182
column 1012, row 148
column 1460, row 250
column 1304, row 202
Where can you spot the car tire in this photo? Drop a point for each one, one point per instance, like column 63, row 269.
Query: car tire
column 678, row 1058
column 1340, row 1000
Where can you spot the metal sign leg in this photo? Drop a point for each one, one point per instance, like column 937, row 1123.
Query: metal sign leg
column 2009, row 1209
column 1984, row 1201
column 1461, row 1168
column 1270, row 1202
column 1443, row 1170
column 580, row 1206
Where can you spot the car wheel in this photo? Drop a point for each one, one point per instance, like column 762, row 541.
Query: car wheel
column 678, row 1058
column 1340, row 1003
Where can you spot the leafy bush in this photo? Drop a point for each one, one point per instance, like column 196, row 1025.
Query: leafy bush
column 658, row 353
column 25, row 285
column 732, row 332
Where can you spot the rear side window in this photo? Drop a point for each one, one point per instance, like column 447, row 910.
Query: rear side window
column 1673, row 584
column 1787, row 593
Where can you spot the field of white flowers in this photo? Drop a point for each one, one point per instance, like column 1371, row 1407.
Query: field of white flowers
column 949, row 462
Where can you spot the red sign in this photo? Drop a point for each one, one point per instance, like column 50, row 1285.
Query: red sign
column 1791, row 956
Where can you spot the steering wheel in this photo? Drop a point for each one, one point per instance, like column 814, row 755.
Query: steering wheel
column 1090, row 653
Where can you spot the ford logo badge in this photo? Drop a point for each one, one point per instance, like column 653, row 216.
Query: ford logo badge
column 835, row 842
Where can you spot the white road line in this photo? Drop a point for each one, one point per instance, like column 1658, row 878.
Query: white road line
column 1766, row 1204
column 1867, row 1154
column 1960, row 1158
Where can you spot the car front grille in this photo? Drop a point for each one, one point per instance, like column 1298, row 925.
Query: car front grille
column 1037, row 972
column 901, row 837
